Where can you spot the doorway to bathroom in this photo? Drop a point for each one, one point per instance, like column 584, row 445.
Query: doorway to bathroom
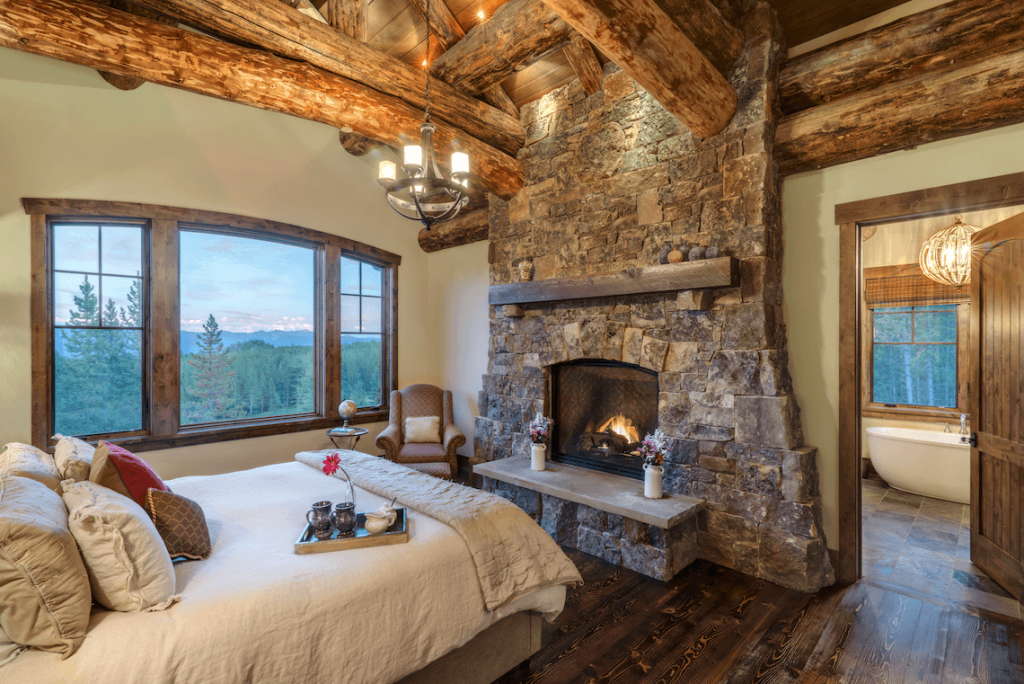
column 905, row 467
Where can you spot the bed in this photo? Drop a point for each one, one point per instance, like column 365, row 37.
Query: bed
column 257, row 612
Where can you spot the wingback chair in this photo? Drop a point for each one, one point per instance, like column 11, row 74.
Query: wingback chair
column 434, row 458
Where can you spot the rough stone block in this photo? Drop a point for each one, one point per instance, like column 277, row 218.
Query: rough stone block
column 615, row 333
column 775, row 377
column 794, row 562
column 732, row 528
column 653, row 353
column 556, row 348
column 717, row 464
column 617, row 85
column 674, row 413
column 768, row 421
column 681, row 451
column 797, row 518
column 646, row 560
column 800, row 475
column 558, row 519
column 748, row 326
column 512, row 311
column 529, row 501
column 573, row 344
column 648, row 207
column 682, row 357
column 692, row 326
column 544, row 267
column 694, row 300
column 759, row 280
column 749, row 505
column 593, row 331
column 711, row 416
column 734, row 372
column 759, row 479
column 722, row 215
column 600, row 544
column 632, row 345
column 745, row 174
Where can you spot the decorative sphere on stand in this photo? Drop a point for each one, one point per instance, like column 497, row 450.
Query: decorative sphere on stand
column 347, row 409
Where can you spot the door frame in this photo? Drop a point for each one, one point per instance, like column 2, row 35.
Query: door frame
column 851, row 218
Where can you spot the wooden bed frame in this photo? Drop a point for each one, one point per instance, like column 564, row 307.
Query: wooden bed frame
column 501, row 647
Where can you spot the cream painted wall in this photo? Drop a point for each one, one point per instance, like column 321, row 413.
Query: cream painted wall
column 458, row 291
column 64, row 132
column 811, row 265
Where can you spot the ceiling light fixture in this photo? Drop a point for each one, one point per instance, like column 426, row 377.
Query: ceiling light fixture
column 946, row 256
column 425, row 195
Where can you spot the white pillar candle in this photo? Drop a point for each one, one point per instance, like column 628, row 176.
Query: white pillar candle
column 387, row 171
column 413, row 155
column 537, row 457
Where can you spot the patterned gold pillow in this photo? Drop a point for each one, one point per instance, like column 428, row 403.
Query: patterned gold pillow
column 181, row 524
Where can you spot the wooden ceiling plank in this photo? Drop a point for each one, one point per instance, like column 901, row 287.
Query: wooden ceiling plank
column 273, row 26
column 958, row 33
column 905, row 114
column 519, row 33
column 543, row 71
column 349, row 17
column 580, row 54
column 650, row 47
column 84, row 33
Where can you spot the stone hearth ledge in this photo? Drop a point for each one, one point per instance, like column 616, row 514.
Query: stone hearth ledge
column 609, row 493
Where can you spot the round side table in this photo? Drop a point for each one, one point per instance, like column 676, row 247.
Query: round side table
column 352, row 434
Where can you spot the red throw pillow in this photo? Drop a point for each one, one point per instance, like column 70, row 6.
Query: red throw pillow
column 117, row 468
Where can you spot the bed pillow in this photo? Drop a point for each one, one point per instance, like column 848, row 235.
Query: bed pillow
column 117, row 468
column 128, row 566
column 181, row 524
column 45, row 598
column 424, row 430
column 8, row 649
column 27, row 461
column 73, row 458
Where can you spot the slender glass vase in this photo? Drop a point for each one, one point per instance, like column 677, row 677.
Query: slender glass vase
column 537, row 457
column 652, row 481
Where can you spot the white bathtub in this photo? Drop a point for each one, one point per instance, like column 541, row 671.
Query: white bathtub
column 934, row 464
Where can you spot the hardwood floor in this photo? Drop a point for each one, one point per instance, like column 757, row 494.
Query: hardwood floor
column 712, row 624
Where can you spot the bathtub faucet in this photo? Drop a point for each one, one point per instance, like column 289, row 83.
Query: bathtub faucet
column 963, row 423
column 947, row 430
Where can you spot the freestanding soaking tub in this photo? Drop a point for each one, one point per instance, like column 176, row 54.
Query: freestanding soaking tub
column 934, row 464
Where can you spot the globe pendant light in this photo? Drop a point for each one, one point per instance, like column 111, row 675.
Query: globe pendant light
column 946, row 256
column 425, row 195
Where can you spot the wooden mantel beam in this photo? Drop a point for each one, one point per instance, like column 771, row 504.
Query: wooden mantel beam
column 274, row 26
column 518, row 34
column 930, row 107
column 949, row 36
column 649, row 46
column 447, row 32
column 94, row 36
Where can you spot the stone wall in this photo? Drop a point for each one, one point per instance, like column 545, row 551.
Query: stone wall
column 610, row 178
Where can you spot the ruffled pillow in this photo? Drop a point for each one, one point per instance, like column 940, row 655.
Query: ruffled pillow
column 25, row 460
column 73, row 458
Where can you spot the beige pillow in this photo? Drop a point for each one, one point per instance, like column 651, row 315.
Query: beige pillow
column 44, row 589
column 73, row 457
column 129, row 568
column 426, row 429
column 8, row 649
column 27, row 461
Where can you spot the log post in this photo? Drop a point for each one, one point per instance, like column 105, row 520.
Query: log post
column 271, row 25
column 649, row 46
column 519, row 33
column 349, row 17
column 98, row 37
column 583, row 61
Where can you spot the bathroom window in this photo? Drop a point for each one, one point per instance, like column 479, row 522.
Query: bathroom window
column 914, row 356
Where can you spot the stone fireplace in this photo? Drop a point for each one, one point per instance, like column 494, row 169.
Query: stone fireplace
column 602, row 409
column 610, row 178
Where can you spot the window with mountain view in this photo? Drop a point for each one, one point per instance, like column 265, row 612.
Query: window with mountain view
column 361, row 314
column 98, row 332
column 247, row 328
column 914, row 350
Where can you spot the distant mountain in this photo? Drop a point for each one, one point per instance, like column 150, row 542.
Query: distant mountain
column 276, row 338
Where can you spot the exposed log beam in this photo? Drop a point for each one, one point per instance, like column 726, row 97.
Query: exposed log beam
column 121, row 82
column 447, row 31
column 271, row 25
column 307, row 8
column 713, row 34
column 519, row 33
column 349, row 17
column 130, row 82
column 498, row 97
column 464, row 229
column 583, row 61
column 930, row 107
column 98, row 37
column 359, row 145
column 958, row 33
column 639, row 37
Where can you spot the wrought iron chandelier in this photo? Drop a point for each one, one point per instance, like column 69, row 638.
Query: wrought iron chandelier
column 946, row 256
column 425, row 195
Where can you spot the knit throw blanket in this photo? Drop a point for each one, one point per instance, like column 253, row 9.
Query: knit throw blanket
column 512, row 554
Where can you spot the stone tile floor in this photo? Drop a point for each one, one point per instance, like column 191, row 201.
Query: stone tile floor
column 923, row 544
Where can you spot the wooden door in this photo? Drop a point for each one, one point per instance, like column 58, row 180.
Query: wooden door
column 997, row 386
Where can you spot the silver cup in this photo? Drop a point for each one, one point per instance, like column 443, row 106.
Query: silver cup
column 319, row 518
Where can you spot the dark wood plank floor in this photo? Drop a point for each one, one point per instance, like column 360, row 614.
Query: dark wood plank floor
column 712, row 624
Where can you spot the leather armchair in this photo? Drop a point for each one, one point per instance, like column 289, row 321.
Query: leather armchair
column 434, row 458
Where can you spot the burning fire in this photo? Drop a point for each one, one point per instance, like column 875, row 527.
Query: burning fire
column 621, row 426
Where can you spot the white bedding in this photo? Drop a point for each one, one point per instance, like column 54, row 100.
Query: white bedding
column 257, row 612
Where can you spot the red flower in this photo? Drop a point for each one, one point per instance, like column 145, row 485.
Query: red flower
column 331, row 464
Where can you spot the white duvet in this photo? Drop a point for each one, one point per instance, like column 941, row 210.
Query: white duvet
column 257, row 612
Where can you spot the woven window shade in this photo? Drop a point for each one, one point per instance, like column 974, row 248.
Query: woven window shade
column 908, row 286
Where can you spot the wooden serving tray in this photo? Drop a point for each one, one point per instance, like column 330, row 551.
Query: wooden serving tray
column 398, row 533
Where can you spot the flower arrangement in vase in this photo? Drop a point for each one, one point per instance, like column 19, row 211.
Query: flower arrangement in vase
column 652, row 450
column 540, row 428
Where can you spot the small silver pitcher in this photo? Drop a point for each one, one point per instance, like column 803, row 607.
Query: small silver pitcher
column 344, row 515
column 319, row 518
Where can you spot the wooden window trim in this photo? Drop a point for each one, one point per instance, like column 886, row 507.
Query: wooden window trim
column 850, row 218
column 163, row 314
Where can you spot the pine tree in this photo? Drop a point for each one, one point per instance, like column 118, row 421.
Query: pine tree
column 132, row 317
column 213, row 379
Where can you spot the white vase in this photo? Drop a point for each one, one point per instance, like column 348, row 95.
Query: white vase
column 652, row 481
column 537, row 457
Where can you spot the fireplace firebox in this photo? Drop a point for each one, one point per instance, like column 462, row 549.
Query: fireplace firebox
column 602, row 409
